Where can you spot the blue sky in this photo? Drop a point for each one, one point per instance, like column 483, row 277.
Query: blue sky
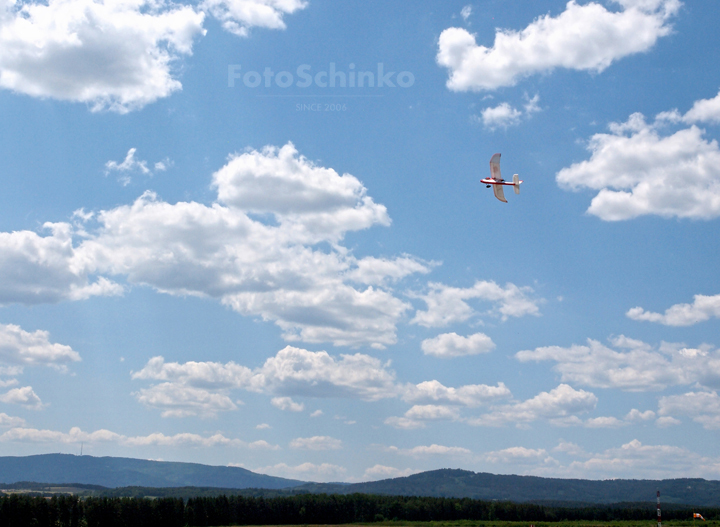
column 310, row 281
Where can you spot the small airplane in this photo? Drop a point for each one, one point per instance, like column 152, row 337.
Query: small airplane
column 497, row 181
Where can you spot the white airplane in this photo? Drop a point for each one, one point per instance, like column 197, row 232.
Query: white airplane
column 497, row 181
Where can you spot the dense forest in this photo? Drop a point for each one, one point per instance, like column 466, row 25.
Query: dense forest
column 72, row 511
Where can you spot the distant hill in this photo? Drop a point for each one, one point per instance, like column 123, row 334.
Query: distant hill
column 126, row 472
column 161, row 478
column 466, row 484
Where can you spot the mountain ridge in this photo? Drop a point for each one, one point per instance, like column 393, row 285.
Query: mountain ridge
column 126, row 472
column 116, row 473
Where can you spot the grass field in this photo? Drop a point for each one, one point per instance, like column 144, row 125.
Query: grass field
column 467, row 523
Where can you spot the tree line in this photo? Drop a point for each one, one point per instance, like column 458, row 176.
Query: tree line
column 71, row 511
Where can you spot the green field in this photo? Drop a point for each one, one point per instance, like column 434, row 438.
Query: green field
column 648, row 523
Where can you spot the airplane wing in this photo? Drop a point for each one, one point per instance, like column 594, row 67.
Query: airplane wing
column 495, row 168
column 499, row 194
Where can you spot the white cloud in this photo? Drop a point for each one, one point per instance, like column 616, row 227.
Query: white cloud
column 636, row 415
column 202, row 388
column 132, row 165
column 501, row 116
column 8, row 421
column 465, row 12
column 703, row 308
column 114, row 55
column 294, row 371
column 583, row 37
column 316, row 413
column 634, row 459
column 570, row 449
column 286, row 404
column 76, row 435
column 667, row 421
column 432, row 412
column 447, row 305
column 238, row 16
column 129, row 164
column 316, row 443
column 379, row 271
column 305, row 471
column 377, row 472
column 269, row 247
column 262, row 426
column 630, row 460
column 516, row 454
column 449, row 345
column 556, row 406
column 702, row 407
column 24, row 396
column 40, row 269
column 638, row 171
column 22, row 348
column 605, row 422
column 430, row 450
column 179, row 400
column 403, row 423
column 636, row 367
column 504, row 115
column 704, row 110
column 470, row 395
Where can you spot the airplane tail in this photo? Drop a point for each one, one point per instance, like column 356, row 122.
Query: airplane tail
column 516, row 183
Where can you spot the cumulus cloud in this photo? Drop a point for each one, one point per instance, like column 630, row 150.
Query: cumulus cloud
column 583, row 37
column 377, row 472
column 403, row 423
column 111, row 55
column 24, row 396
column 704, row 110
column 269, row 247
column 630, row 460
column 556, row 406
column 286, row 404
column 470, row 395
column 22, row 348
column 305, row 471
column 501, row 116
column 238, row 16
column 636, row 415
column 646, row 461
column 702, row 407
column 77, row 435
column 8, row 421
column 46, row 269
column 517, row 454
column 203, row 388
column 129, row 164
column 379, row 271
column 703, row 308
column 447, row 305
column 639, row 171
column 605, row 422
column 132, row 165
column 430, row 450
column 636, row 366
column 178, row 400
column 448, row 345
column 504, row 115
column 316, row 443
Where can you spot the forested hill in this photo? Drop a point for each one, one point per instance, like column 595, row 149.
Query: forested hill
column 142, row 475
column 463, row 483
column 125, row 472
